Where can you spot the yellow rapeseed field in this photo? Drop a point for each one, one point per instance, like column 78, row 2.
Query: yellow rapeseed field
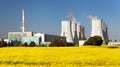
column 86, row 56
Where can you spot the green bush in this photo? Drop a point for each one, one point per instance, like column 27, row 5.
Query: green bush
column 32, row 44
column 106, row 42
column 24, row 45
column 15, row 42
column 9, row 44
column 59, row 43
column 56, row 42
column 70, row 44
column 3, row 43
column 96, row 40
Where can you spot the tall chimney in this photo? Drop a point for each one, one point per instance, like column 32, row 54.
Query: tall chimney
column 22, row 27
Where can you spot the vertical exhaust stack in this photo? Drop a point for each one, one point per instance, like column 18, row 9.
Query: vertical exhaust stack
column 22, row 27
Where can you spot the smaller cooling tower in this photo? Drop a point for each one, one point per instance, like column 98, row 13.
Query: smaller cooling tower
column 74, row 31
column 78, row 31
column 67, row 31
column 105, row 31
column 82, row 32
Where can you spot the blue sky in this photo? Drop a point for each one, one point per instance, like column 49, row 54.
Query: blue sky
column 46, row 15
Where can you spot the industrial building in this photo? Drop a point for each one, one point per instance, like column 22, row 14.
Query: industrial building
column 12, row 36
column 38, row 38
column 45, row 39
column 27, row 37
column 99, row 28
column 17, row 36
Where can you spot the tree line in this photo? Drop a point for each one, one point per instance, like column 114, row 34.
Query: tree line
column 16, row 43
column 95, row 41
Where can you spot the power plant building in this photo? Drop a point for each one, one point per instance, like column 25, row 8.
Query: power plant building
column 46, row 38
column 30, row 39
column 27, row 37
column 12, row 36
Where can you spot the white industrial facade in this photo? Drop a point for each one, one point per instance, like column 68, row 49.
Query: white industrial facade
column 46, row 38
column 12, row 36
column 41, row 39
column 72, row 30
column 29, row 39
column 99, row 28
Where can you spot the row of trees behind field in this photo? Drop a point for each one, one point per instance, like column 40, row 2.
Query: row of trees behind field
column 11, row 44
column 95, row 41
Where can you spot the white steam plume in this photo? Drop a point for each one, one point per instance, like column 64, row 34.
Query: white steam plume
column 90, row 17
column 70, row 16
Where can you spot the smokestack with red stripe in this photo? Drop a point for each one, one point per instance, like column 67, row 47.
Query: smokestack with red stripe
column 22, row 27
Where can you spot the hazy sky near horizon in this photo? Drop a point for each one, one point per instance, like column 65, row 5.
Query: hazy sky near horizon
column 45, row 16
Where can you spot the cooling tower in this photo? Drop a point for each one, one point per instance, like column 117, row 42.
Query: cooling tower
column 105, row 31
column 96, row 28
column 82, row 32
column 78, row 31
column 99, row 28
column 74, row 31
column 67, row 31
